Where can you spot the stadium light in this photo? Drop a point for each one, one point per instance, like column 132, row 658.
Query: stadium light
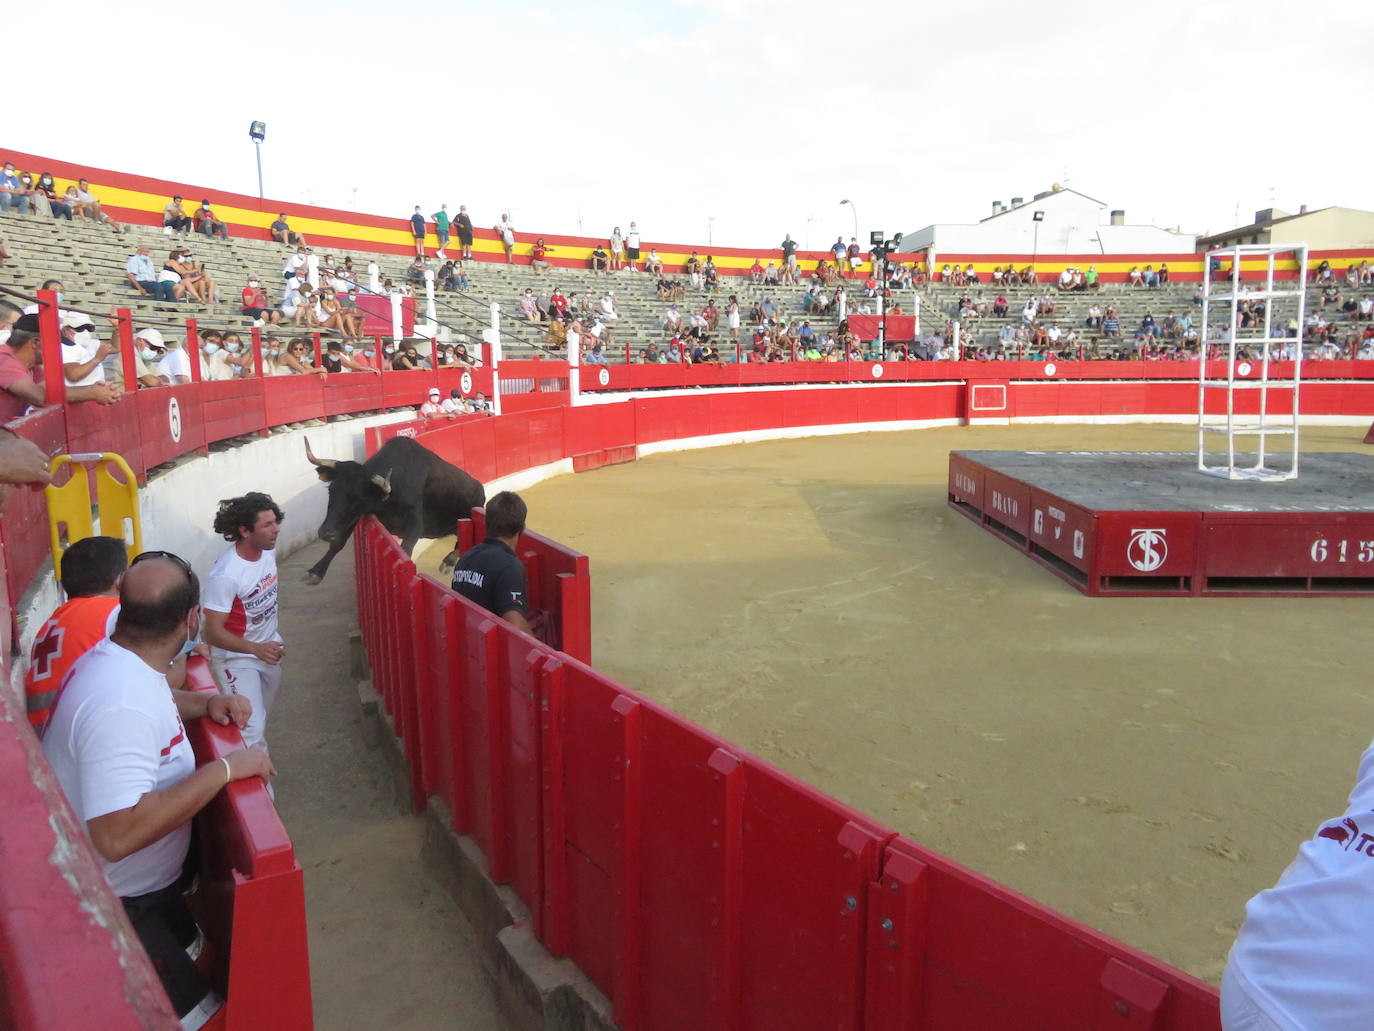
column 257, row 132
column 855, row 212
column 1037, row 217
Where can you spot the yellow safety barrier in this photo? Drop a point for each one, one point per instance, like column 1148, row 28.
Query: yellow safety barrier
column 70, row 518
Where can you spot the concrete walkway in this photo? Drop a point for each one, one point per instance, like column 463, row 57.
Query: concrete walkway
column 388, row 948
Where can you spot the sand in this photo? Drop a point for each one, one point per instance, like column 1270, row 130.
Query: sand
column 1143, row 765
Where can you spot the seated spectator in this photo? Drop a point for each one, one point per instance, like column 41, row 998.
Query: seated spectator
column 296, row 265
column 91, row 571
column 352, row 318
column 653, row 263
column 600, row 259
column 144, row 278
column 594, row 356
column 256, row 305
column 455, row 404
column 329, row 313
column 174, row 217
column 407, row 360
column 19, row 356
column 194, row 277
column 462, row 358
column 82, row 353
column 756, row 272
column 1111, row 324
column 1163, row 274
column 238, row 357
column 770, row 274
column 207, row 223
column 303, row 310
column 57, row 205
column 107, row 743
column 213, row 367
column 148, row 351
column 607, row 312
column 415, row 272
column 710, row 277
column 531, row 308
column 37, row 201
column 672, row 320
column 283, row 233
column 769, row 309
column 712, row 316
column 343, row 356
column 90, row 208
column 299, row 359
column 14, row 196
column 539, row 255
column 1135, row 277
column 692, row 266
column 175, row 365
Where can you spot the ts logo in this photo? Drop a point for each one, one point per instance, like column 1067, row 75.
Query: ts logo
column 1147, row 550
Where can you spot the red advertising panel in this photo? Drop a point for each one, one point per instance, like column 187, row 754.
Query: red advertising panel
column 1006, row 501
column 1154, row 544
column 1325, row 545
column 1062, row 529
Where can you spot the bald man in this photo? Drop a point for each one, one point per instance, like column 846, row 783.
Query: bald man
column 117, row 745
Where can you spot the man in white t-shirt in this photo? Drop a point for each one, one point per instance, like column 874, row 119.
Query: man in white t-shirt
column 1301, row 959
column 82, row 353
column 175, row 366
column 117, row 744
column 240, row 601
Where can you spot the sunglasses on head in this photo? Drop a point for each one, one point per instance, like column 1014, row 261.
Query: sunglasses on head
column 176, row 560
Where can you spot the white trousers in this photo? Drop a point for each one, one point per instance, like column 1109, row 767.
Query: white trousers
column 256, row 682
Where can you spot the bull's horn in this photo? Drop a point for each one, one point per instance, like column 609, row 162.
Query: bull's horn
column 323, row 463
column 383, row 481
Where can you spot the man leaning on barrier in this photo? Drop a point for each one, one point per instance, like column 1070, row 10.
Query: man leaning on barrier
column 491, row 574
column 118, row 746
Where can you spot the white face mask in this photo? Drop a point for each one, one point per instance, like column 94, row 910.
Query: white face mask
column 272, row 352
column 388, row 351
column 85, row 338
column 233, row 348
column 369, row 354
column 253, row 283
column 348, row 348
column 148, row 354
column 210, row 348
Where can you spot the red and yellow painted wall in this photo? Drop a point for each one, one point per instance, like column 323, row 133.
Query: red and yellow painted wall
column 140, row 199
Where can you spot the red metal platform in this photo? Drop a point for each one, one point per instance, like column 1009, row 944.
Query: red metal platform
column 1120, row 523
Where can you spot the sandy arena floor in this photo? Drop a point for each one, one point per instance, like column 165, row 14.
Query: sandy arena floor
column 1143, row 765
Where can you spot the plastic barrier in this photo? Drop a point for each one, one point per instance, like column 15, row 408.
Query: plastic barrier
column 251, row 901
column 698, row 886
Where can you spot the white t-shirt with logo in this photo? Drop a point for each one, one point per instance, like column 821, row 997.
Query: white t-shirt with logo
column 115, row 736
column 247, row 591
column 1303, row 952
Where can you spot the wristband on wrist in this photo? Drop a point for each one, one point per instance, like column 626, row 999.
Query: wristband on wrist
column 228, row 773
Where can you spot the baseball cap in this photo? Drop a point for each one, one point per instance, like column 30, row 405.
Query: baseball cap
column 76, row 319
column 151, row 337
column 433, row 391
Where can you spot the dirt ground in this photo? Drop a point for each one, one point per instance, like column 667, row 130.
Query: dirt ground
column 388, row 949
column 1144, row 765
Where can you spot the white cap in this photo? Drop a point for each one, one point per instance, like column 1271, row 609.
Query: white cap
column 151, row 337
column 72, row 319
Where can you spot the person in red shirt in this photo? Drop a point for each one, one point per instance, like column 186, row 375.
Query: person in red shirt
column 539, row 255
column 91, row 571
column 256, row 304
column 21, row 384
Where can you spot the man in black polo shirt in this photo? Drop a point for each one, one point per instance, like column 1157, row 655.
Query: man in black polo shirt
column 491, row 574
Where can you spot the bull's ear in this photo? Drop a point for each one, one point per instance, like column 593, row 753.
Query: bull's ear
column 324, row 474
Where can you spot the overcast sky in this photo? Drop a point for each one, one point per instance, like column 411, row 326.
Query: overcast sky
column 741, row 119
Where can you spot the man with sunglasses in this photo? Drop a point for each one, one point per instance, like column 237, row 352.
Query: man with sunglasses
column 82, row 354
column 240, row 602
column 118, row 746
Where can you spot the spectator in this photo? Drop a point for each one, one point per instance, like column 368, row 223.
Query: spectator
column 417, row 230
column 454, row 405
column 213, row 368
column 490, row 574
column 632, row 247
column 298, row 359
column 175, row 365
column 283, row 233
column 148, row 351
column 256, row 305
column 539, row 255
column 47, row 188
column 617, row 250
column 144, row 278
column 462, row 358
column 117, row 745
column 480, row 404
column 351, row 317
column 855, row 255
column 600, row 259
column 594, row 356
column 464, row 226
column 653, row 263
column 91, row 570
column 672, row 320
column 296, row 265
column 343, row 355
column 237, row 357
column 693, row 269
column 207, row 223
column 82, row 353
column 174, row 217
column 505, row 229
column 789, row 259
column 193, row 276
column 19, row 357
column 14, row 196
column 432, row 408
column 607, row 312
column 90, row 206
column 407, row 360
column 240, row 601
column 441, row 230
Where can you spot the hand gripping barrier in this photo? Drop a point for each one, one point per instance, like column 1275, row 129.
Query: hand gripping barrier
column 251, row 901
column 699, row 887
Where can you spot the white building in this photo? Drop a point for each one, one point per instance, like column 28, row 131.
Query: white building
column 1058, row 221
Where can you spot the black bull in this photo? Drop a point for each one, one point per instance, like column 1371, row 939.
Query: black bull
column 412, row 491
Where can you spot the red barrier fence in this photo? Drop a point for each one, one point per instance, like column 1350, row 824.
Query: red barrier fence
column 696, row 885
column 251, row 902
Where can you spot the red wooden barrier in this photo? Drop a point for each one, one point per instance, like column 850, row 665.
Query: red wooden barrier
column 252, row 896
column 702, row 888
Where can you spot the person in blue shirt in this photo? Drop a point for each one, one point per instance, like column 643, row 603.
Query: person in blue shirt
column 13, row 194
column 417, row 229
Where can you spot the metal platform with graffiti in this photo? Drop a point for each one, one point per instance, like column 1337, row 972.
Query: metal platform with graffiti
column 1123, row 523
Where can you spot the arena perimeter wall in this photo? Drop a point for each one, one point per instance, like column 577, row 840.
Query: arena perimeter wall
column 58, row 915
column 140, row 199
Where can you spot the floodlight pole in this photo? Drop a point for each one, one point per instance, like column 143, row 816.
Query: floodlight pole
column 257, row 132
column 257, row 149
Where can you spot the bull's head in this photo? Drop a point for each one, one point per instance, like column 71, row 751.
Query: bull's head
column 353, row 493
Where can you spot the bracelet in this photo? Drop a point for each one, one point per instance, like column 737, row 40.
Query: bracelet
column 228, row 773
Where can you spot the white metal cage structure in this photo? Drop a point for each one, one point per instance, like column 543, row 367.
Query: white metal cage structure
column 1251, row 401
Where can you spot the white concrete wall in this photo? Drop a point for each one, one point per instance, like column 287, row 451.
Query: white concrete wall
column 177, row 507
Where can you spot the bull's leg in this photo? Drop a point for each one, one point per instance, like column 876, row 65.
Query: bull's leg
column 450, row 563
column 316, row 572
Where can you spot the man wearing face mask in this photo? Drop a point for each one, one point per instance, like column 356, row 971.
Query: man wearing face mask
column 13, row 195
column 256, row 306
column 20, row 386
column 148, row 351
column 117, row 744
column 82, row 353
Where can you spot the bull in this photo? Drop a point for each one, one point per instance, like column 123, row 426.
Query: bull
column 412, row 491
